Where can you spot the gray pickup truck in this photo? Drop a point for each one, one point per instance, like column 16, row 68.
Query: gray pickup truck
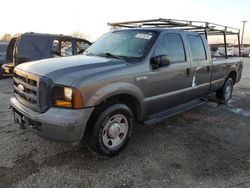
column 127, row 76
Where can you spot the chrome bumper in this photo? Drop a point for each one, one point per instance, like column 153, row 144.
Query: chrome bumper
column 59, row 124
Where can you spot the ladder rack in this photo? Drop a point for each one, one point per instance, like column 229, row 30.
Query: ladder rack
column 201, row 27
column 196, row 26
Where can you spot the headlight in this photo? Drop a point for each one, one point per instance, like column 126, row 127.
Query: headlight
column 68, row 93
column 66, row 97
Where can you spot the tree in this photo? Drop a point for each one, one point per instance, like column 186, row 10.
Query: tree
column 113, row 28
column 80, row 35
column 6, row 37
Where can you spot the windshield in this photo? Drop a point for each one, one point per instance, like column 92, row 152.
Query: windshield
column 126, row 44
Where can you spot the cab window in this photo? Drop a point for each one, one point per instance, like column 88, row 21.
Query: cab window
column 197, row 48
column 171, row 45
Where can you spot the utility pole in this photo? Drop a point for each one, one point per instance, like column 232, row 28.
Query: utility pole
column 244, row 22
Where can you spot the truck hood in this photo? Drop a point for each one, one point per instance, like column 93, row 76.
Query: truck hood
column 66, row 70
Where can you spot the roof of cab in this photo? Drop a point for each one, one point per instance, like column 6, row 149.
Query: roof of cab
column 48, row 35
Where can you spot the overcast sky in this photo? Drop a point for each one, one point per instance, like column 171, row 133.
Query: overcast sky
column 91, row 17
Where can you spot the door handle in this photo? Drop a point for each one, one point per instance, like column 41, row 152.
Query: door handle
column 188, row 71
column 208, row 68
column 195, row 70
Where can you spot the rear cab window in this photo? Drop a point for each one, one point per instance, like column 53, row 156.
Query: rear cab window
column 197, row 48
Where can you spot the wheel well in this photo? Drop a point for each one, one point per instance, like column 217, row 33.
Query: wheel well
column 233, row 76
column 126, row 99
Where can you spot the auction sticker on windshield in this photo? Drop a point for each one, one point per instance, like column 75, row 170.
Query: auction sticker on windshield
column 143, row 36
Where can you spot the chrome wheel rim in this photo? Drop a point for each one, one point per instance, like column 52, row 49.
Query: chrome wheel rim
column 115, row 131
column 228, row 91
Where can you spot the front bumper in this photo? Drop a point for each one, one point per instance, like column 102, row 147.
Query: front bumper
column 8, row 68
column 65, row 125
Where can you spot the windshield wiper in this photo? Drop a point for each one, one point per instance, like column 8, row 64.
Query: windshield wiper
column 114, row 56
column 107, row 54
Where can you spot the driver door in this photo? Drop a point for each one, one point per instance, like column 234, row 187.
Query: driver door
column 168, row 86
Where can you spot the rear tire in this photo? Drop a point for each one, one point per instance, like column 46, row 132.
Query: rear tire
column 112, row 130
column 225, row 93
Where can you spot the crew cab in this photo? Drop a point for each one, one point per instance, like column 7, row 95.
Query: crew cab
column 127, row 76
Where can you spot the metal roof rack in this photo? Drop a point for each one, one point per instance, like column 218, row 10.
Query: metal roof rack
column 201, row 27
column 196, row 26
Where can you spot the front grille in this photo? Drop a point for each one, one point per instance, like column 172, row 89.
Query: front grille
column 26, row 89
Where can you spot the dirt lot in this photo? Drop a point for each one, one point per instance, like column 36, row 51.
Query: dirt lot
column 208, row 146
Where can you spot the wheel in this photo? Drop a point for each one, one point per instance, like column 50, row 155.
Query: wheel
column 225, row 93
column 112, row 130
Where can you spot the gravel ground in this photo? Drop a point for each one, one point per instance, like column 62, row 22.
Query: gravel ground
column 208, row 146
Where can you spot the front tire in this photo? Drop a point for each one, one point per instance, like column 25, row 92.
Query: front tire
column 112, row 130
column 225, row 93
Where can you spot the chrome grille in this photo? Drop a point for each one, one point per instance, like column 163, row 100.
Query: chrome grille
column 26, row 88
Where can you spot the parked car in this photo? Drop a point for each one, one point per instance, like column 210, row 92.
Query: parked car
column 233, row 52
column 245, row 52
column 220, row 52
column 36, row 46
column 132, row 75
column 3, row 51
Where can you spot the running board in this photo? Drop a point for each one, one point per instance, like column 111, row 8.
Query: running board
column 159, row 117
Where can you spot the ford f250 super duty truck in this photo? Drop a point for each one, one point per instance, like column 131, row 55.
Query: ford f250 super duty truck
column 130, row 75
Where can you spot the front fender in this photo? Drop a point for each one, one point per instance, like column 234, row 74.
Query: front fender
column 113, row 89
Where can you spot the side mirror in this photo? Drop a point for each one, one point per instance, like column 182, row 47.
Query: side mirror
column 159, row 61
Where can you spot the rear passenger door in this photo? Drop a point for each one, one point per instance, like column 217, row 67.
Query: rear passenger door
column 201, row 66
column 168, row 86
